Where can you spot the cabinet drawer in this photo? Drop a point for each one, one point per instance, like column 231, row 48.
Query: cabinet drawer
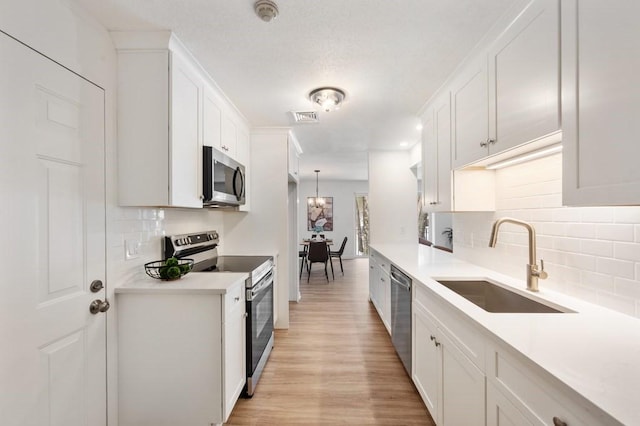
column 235, row 297
column 536, row 396
column 468, row 338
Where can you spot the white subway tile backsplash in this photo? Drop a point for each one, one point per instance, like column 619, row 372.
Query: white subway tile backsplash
column 592, row 253
column 615, row 232
column 581, row 230
column 581, row 262
column 629, row 214
column 596, row 214
column 556, row 229
column 564, row 215
column 615, row 267
column 627, row 287
column 567, row 244
column 617, row 303
column 596, row 280
column 627, row 251
column 597, row 247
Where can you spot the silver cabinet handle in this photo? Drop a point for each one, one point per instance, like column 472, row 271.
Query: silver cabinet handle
column 237, row 298
column 491, row 141
column 98, row 306
column 437, row 343
column 484, row 144
column 433, row 338
column 558, row 422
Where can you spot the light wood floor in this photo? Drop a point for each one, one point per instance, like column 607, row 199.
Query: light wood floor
column 335, row 364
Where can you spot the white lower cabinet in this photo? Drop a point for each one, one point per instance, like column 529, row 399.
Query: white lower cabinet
column 450, row 384
column 501, row 411
column 181, row 356
column 380, row 287
column 535, row 395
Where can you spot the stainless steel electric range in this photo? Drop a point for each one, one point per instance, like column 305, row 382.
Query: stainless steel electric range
column 202, row 247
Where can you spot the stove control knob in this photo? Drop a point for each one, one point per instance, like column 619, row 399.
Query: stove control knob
column 215, row 235
column 188, row 240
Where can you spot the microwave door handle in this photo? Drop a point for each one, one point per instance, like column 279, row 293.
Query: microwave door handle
column 238, row 174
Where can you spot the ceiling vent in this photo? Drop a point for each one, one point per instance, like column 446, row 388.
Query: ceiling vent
column 305, row 116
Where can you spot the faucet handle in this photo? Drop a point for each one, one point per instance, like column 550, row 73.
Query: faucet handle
column 541, row 273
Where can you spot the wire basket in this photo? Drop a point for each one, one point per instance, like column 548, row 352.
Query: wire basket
column 160, row 270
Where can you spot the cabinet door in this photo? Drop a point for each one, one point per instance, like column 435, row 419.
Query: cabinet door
column 501, row 411
column 211, row 120
column 427, row 361
column 243, row 155
column 442, row 128
column 429, row 160
column 373, row 282
column 463, row 388
column 185, row 160
column 234, row 347
column 470, row 111
column 385, row 297
column 229, row 141
column 600, row 102
column 524, row 78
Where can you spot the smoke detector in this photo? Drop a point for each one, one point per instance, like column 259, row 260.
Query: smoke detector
column 266, row 10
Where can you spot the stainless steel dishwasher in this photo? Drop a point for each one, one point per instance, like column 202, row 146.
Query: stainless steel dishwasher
column 401, row 316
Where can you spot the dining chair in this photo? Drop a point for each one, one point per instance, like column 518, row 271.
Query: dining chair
column 318, row 253
column 338, row 254
column 302, row 255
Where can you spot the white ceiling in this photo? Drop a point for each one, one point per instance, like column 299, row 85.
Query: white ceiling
column 389, row 56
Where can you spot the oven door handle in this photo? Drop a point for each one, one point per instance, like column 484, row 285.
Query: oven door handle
column 260, row 287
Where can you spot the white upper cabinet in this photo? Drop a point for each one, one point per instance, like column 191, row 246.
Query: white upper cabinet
column 509, row 95
column 159, row 136
column 185, row 146
column 437, row 155
column 470, row 109
column 229, row 139
column 168, row 108
column 600, row 102
column 211, row 119
column 524, row 78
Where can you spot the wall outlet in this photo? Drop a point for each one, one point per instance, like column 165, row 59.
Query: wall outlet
column 131, row 249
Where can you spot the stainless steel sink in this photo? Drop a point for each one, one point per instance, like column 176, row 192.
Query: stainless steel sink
column 494, row 298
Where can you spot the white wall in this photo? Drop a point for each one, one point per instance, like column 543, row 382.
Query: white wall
column 592, row 253
column 264, row 229
column 65, row 33
column 344, row 209
column 393, row 198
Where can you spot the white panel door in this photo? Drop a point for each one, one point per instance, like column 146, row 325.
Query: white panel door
column 442, row 125
column 52, row 221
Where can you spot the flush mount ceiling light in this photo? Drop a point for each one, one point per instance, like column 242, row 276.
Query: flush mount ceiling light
column 327, row 98
column 266, row 10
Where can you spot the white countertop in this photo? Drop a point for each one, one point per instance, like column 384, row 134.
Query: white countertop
column 595, row 351
column 192, row 283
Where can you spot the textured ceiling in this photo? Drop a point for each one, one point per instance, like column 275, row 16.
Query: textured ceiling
column 389, row 56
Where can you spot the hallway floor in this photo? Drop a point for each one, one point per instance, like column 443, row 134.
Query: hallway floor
column 335, row 364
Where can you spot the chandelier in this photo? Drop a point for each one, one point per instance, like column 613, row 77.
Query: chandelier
column 317, row 201
column 327, row 98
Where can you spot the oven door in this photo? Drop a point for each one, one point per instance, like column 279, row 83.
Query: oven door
column 260, row 322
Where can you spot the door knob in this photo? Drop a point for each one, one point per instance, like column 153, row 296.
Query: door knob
column 96, row 286
column 99, row 306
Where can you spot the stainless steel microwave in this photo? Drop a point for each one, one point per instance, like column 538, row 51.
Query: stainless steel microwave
column 223, row 179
